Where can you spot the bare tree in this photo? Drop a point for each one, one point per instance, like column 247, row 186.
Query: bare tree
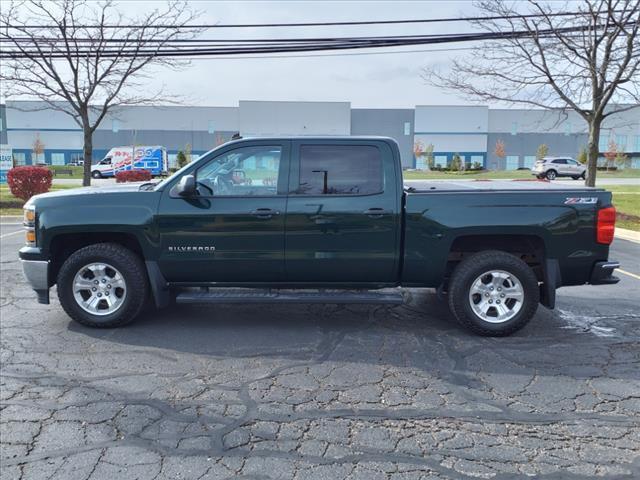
column 85, row 58
column 588, row 62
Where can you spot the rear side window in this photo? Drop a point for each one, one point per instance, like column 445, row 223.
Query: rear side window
column 340, row 170
column 562, row 161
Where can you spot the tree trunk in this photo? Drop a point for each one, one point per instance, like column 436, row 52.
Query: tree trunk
column 88, row 154
column 592, row 151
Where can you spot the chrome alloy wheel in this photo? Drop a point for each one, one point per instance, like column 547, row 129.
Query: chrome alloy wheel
column 496, row 296
column 99, row 288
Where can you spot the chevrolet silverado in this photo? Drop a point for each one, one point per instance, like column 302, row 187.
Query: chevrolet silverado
column 315, row 219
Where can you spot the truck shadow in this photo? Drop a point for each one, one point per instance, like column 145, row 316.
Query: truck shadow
column 419, row 334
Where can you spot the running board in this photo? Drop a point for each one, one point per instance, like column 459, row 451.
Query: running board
column 225, row 295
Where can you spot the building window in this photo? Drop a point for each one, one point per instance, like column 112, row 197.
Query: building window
column 173, row 160
column 37, row 158
column 115, row 126
column 1, row 124
column 407, row 128
column 637, row 148
column 19, row 158
column 57, row 159
column 514, row 128
column 603, row 144
column 212, row 128
column 529, row 161
column 476, row 160
column 512, row 162
column 440, row 160
column 568, row 128
column 621, row 142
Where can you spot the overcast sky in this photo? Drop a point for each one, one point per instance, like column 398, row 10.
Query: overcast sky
column 386, row 80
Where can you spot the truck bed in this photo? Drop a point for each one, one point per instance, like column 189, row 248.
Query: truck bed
column 560, row 219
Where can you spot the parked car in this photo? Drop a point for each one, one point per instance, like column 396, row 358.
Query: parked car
column 319, row 213
column 118, row 159
column 76, row 163
column 553, row 167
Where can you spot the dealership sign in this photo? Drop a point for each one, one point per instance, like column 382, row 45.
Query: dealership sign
column 6, row 162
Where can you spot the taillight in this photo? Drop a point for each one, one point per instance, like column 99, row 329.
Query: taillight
column 606, row 225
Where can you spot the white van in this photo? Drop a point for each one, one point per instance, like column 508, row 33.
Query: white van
column 152, row 158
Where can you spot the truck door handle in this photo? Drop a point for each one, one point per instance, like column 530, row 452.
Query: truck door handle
column 376, row 212
column 265, row 213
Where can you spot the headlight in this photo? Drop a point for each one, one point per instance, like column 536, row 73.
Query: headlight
column 30, row 225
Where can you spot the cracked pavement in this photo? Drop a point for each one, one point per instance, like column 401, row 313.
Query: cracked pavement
column 321, row 391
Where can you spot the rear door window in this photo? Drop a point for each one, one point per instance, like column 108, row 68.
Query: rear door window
column 340, row 170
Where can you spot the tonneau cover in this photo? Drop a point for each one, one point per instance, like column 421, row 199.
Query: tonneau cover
column 420, row 186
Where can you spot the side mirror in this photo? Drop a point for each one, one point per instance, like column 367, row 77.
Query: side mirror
column 186, row 187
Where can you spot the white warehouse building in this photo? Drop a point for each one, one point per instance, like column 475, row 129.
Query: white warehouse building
column 471, row 132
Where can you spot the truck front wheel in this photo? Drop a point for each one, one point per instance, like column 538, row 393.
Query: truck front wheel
column 96, row 174
column 493, row 293
column 103, row 285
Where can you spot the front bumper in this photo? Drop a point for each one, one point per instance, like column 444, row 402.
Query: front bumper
column 37, row 274
column 602, row 273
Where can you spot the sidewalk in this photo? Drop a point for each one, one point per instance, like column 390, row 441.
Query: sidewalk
column 629, row 235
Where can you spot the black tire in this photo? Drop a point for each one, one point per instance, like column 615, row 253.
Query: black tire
column 474, row 266
column 130, row 266
column 551, row 174
column 576, row 178
column 96, row 174
column 583, row 176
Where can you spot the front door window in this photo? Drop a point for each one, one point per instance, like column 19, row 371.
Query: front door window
column 246, row 171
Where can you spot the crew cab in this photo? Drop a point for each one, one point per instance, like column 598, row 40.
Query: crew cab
column 306, row 219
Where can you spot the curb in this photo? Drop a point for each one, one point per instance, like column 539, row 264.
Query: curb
column 630, row 235
column 10, row 218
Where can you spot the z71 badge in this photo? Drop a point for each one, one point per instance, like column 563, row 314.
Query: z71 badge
column 581, row 200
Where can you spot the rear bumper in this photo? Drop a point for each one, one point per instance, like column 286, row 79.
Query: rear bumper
column 37, row 274
column 602, row 273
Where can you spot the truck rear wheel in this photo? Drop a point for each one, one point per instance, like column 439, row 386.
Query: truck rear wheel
column 493, row 293
column 103, row 285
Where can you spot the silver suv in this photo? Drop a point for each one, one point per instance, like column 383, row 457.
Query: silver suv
column 553, row 167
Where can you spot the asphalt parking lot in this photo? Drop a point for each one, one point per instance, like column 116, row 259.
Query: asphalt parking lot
column 321, row 391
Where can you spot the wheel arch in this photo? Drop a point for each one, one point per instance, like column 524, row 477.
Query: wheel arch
column 529, row 247
column 63, row 245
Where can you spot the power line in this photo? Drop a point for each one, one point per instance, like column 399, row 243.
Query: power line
column 33, row 38
column 140, row 49
column 327, row 24
column 357, row 54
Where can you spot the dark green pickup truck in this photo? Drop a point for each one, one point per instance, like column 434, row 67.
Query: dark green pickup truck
column 302, row 220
